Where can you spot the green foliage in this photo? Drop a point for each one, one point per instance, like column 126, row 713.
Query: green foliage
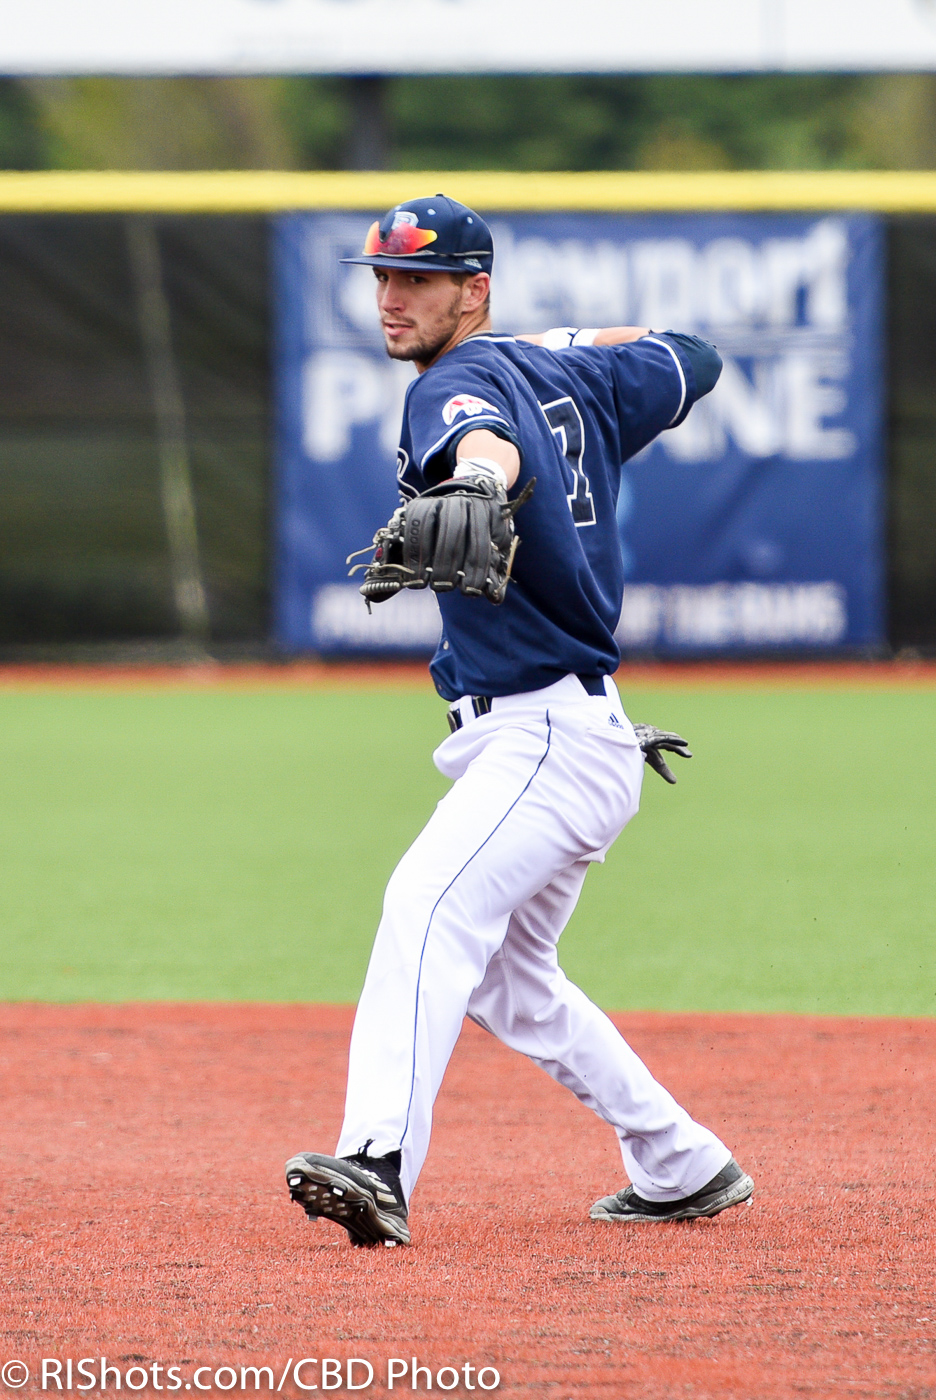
column 316, row 114
column 162, row 123
column 790, row 121
column 22, row 142
column 625, row 123
column 224, row 844
column 532, row 122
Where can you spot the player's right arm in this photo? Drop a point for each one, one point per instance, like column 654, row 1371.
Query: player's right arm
column 704, row 358
column 560, row 337
column 656, row 381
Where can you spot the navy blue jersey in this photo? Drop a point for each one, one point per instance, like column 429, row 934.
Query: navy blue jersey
column 575, row 415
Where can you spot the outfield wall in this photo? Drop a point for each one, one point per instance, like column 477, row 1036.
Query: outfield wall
column 85, row 552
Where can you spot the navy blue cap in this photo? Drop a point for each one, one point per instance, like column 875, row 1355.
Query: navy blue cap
column 436, row 234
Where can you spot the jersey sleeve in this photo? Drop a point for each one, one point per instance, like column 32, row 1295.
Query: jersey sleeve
column 704, row 361
column 444, row 404
column 656, row 381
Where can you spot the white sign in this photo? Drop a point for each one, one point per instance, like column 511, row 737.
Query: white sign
column 463, row 36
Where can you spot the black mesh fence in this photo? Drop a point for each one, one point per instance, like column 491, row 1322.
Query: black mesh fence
column 912, row 434
column 84, row 550
column 87, row 553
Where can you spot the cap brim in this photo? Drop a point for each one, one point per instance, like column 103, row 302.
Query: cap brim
column 413, row 264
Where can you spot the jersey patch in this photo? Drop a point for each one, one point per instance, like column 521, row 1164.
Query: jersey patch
column 468, row 404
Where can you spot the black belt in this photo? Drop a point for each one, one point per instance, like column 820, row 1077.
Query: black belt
column 481, row 704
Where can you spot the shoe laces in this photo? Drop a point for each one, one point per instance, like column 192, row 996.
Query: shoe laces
column 385, row 1170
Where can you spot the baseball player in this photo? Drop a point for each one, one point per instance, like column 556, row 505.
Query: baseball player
column 505, row 436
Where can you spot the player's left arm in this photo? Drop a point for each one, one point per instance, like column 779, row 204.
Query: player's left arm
column 482, row 452
column 458, row 534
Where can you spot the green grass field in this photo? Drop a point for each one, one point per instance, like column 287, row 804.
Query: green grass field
column 234, row 844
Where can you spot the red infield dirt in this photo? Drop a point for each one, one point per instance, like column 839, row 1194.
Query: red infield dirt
column 145, row 1218
column 318, row 675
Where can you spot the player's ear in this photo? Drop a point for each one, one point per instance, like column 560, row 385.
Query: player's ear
column 477, row 291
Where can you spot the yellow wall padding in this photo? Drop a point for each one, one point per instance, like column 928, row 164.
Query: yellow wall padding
column 266, row 191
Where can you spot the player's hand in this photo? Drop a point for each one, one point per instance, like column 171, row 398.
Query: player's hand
column 652, row 741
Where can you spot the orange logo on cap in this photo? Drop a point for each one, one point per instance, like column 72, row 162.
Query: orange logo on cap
column 404, row 238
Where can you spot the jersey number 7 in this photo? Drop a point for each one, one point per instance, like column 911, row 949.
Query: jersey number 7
column 566, row 424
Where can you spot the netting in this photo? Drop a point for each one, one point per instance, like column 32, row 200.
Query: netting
column 84, row 546
column 912, row 433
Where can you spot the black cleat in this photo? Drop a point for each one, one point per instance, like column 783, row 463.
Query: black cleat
column 361, row 1193
column 729, row 1188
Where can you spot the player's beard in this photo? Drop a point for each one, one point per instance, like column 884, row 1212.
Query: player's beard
column 433, row 338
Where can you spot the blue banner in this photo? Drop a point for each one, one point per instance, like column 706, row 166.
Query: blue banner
column 755, row 525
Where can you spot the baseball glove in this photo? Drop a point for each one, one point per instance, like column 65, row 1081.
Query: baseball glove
column 459, row 534
column 653, row 740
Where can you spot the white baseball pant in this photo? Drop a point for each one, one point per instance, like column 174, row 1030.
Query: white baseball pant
column 471, row 919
